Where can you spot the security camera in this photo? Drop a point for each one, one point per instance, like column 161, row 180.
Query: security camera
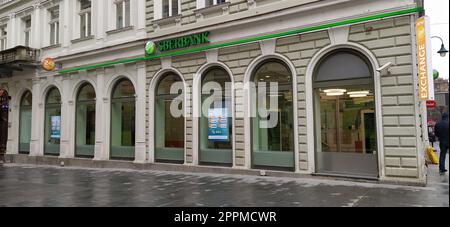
column 384, row 67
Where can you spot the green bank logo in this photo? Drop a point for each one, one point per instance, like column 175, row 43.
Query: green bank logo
column 150, row 48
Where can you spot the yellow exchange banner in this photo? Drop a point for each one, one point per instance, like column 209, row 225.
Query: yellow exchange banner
column 426, row 84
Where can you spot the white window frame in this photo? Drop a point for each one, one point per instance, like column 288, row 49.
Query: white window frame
column 202, row 3
column 27, row 31
column 54, row 23
column 126, row 22
column 3, row 38
column 88, row 21
column 158, row 9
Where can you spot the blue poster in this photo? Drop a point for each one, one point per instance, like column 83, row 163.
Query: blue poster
column 218, row 128
column 56, row 127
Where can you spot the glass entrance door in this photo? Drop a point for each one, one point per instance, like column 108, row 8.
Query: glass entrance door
column 346, row 144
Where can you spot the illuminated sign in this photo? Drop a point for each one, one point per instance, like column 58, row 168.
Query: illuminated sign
column 426, row 84
column 55, row 127
column 49, row 64
column 150, row 48
column 218, row 128
column 183, row 42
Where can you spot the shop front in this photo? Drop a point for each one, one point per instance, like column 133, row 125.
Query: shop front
column 328, row 97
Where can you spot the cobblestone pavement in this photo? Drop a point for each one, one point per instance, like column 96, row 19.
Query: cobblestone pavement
column 52, row 186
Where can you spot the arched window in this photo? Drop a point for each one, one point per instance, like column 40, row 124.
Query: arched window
column 216, row 121
column 273, row 132
column 123, row 120
column 52, row 122
column 169, row 120
column 25, row 123
column 85, row 122
column 345, row 119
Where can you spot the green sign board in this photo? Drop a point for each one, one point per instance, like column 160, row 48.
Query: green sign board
column 183, row 42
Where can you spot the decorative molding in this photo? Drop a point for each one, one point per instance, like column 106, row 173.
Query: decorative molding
column 339, row 35
column 82, row 39
column 222, row 7
column 175, row 20
column 166, row 63
column 212, row 55
column 268, row 46
column 124, row 29
column 25, row 12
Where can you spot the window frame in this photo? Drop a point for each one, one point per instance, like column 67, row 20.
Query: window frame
column 159, row 9
column 87, row 12
column 3, row 38
column 203, row 3
column 126, row 19
column 54, row 23
column 27, row 31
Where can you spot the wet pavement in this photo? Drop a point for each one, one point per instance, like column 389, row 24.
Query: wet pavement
column 34, row 186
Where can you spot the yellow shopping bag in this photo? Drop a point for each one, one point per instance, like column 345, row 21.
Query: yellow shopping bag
column 432, row 156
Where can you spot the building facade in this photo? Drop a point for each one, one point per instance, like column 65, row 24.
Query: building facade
column 346, row 74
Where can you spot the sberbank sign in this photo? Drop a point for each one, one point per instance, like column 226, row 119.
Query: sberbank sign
column 183, row 42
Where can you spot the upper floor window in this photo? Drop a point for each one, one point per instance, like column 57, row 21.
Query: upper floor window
column 85, row 18
column 170, row 8
column 213, row 2
column 27, row 31
column 54, row 26
column 3, row 37
column 123, row 12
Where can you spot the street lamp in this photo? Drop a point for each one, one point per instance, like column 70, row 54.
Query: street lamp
column 443, row 52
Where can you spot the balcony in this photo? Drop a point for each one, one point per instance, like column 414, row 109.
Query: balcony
column 16, row 59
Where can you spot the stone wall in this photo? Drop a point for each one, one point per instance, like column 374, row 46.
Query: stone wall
column 389, row 40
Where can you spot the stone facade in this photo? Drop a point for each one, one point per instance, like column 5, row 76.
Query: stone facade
column 243, row 33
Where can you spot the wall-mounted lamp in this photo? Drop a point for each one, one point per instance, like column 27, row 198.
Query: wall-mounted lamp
column 443, row 51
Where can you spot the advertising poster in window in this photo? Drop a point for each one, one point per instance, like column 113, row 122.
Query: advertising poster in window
column 218, row 128
column 56, row 127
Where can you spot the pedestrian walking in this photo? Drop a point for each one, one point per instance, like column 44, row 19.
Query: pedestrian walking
column 441, row 131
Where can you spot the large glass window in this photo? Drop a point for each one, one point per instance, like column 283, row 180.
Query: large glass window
column 3, row 37
column 123, row 124
column 169, row 125
column 85, row 18
column 123, row 12
column 54, row 25
column 216, row 121
column 345, row 122
column 170, row 8
column 85, row 122
column 25, row 123
column 213, row 2
column 52, row 122
column 27, row 31
column 273, row 144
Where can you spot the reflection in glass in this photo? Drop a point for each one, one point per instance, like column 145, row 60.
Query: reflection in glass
column 123, row 123
column 52, row 122
column 348, row 123
column 345, row 120
column 216, row 147
column 274, row 146
column 25, row 123
column 169, row 129
column 85, row 122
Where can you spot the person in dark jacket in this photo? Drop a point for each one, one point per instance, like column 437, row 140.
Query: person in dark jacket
column 441, row 131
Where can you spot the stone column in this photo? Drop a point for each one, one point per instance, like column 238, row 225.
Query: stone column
column 141, row 145
column 36, row 28
column 37, row 132
column 67, row 107
column 100, row 145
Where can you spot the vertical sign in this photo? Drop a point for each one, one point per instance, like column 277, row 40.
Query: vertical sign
column 218, row 130
column 426, row 83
